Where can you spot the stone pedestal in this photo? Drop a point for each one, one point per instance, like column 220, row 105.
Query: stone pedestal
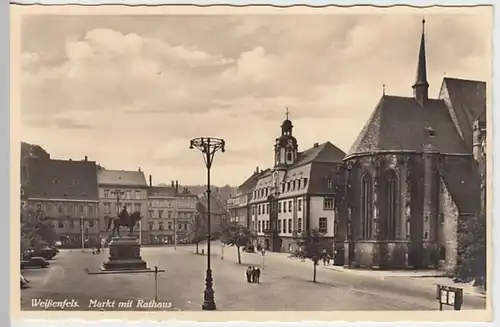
column 124, row 254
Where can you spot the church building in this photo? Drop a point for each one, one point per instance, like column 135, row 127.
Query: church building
column 296, row 194
column 412, row 175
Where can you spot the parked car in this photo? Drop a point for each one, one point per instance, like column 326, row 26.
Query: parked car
column 35, row 262
column 47, row 253
column 24, row 281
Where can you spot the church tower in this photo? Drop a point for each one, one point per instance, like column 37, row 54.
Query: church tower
column 421, row 86
column 286, row 147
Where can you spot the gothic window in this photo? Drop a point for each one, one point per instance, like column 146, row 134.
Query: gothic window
column 366, row 206
column 289, row 156
column 391, row 204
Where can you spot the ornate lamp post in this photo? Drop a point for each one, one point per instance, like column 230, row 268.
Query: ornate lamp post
column 208, row 147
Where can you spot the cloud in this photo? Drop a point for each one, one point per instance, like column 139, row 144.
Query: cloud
column 146, row 85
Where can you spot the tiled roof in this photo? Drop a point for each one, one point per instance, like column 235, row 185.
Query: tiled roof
column 400, row 123
column 467, row 95
column 325, row 152
column 319, row 175
column 62, row 179
column 122, row 177
column 216, row 205
column 461, row 177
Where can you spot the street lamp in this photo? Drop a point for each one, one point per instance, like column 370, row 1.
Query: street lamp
column 208, row 147
column 82, row 232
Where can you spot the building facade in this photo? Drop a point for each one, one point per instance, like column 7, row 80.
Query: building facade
column 411, row 176
column 219, row 215
column 65, row 191
column 172, row 213
column 239, row 205
column 121, row 188
column 296, row 194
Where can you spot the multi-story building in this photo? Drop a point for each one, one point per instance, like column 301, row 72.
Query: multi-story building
column 171, row 213
column 411, row 177
column 238, row 205
column 297, row 194
column 218, row 213
column 65, row 191
column 119, row 188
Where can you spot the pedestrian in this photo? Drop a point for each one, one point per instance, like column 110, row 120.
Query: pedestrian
column 254, row 275
column 249, row 274
column 257, row 275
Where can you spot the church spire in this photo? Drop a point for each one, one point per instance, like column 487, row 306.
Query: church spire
column 421, row 86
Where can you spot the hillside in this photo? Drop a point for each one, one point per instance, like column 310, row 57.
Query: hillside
column 224, row 192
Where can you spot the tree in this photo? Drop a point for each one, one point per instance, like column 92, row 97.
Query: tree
column 471, row 250
column 36, row 231
column 312, row 245
column 234, row 234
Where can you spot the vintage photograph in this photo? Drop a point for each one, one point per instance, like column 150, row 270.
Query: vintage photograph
column 265, row 159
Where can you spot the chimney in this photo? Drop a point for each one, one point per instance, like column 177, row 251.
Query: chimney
column 150, row 181
column 257, row 169
column 70, row 159
column 173, row 185
column 86, row 158
column 176, row 186
column 316, row 145
column 139, row 169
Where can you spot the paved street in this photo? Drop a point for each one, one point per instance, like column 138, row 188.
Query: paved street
column 285, row 284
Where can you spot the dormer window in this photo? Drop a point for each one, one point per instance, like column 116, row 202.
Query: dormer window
column 430, row 131
column 55, row 182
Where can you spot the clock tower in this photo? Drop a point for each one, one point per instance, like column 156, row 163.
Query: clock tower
column 285, row 148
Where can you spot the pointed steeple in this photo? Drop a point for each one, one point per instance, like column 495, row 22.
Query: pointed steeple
column 421, row 86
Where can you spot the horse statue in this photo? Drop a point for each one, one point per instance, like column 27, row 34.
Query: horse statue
column 124, row 219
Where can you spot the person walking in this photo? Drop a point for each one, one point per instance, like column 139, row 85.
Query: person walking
column 249, row 274
column 257, row 275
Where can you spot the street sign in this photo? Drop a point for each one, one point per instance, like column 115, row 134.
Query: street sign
column 450, row 296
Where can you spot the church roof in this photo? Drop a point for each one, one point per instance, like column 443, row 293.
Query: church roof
column 62, row 179
column 400, row 123
column 122, row 178
column 467, row 95
column 325, row 152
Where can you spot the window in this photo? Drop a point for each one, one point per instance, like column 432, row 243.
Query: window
column 284, row 206
column 128, row 196
column 185, row 226
column 137, row 194
column 179, row 227
column 69, row 208
column 106, row 194
column 160, row 213
column 279, row 226
column 366, row 206
column 329, row 183
column 293, row 185
column 151, row 226
column 90, row 209
column 81, row 210
column 322, row 224
column 91, row 223
column 284, row 225
column 288, row 187
column 328, row 203
column 299, row 204
column 289, row 226
column 60, row 208
column 279, row 207
column 289, row 156
column 160, row 226
column 298, row 183
column 283, row 188
column 290, row 206
column 267, row 208
column 169, row 225
column 169, row 215
column 299, row 225
column 442, row 253
column 260, row 226
column 259, row 209
column 71, row 224
column 60, row 224
column 305, row 182
column 391, row 205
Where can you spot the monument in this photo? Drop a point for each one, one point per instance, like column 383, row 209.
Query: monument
column 124, row 251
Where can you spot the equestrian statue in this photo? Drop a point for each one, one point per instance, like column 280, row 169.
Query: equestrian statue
column 125, row 220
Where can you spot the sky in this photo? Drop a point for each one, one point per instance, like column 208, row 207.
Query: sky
column 131, row 91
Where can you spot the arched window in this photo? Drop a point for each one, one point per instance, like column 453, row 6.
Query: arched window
column 391, row 193
column 289, row 156
column 366, row 206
